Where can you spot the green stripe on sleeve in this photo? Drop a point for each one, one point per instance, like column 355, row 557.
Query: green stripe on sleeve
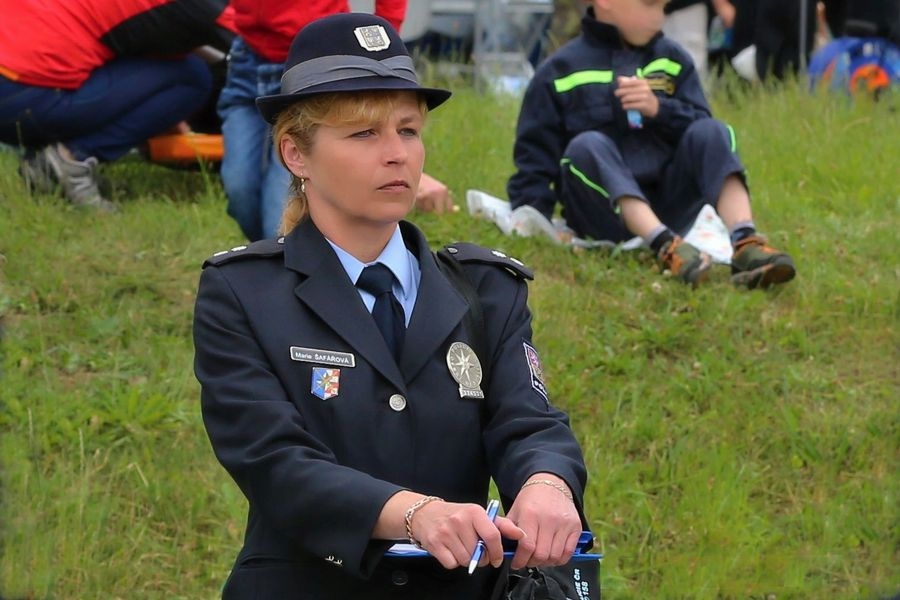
column 666, row 65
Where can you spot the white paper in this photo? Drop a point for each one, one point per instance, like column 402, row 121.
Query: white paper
column 708, row 232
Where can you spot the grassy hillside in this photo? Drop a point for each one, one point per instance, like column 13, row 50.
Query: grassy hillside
column 740, row 444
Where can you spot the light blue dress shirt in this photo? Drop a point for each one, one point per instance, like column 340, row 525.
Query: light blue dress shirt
column 399, row 260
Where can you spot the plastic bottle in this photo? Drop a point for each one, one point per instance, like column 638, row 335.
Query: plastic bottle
column 635, row 120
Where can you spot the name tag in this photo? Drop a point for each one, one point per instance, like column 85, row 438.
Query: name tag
column 325, row 357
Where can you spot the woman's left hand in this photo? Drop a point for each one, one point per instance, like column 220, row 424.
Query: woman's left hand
column 550, row 521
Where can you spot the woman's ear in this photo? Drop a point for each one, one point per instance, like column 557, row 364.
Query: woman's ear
column 292, row 157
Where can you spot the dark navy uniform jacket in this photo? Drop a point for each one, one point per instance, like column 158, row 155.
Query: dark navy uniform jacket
column 318, row 462
column 573, row 92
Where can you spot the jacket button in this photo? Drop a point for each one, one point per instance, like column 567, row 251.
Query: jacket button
column 397, row 402
column 399, row 577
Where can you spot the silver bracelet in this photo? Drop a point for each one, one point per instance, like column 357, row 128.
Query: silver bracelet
column 562, row 488
column 411, row 511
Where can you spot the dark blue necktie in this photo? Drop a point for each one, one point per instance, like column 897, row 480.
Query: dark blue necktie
column 378, row 280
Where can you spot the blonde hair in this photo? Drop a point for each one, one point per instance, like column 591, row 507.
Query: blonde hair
column 301, row 120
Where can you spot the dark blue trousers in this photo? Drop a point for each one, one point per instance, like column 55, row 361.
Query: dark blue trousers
column 118, row 107
column 595, row 175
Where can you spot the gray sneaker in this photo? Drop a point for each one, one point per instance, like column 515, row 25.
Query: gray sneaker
column 34, row 173
column 77, row 178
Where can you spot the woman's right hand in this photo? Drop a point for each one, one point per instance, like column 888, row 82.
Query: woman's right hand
column 450, row 531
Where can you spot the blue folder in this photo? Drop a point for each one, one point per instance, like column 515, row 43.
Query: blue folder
column 408, row 550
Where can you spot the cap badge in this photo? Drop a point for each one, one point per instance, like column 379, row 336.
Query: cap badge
column 372, row 38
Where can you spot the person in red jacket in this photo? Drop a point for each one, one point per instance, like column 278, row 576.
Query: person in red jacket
column 85, row 81
column 255, row 182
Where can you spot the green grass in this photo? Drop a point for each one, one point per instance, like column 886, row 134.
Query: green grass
column 740, row 444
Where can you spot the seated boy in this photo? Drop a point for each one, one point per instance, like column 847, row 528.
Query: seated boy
column 615, row 127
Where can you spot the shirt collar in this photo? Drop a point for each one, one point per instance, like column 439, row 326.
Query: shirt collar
column 395, row 257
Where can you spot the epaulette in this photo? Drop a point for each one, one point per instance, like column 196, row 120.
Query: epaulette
column 260, row 249
column 465, row 252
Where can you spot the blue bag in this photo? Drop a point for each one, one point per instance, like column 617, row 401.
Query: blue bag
column 857, row 65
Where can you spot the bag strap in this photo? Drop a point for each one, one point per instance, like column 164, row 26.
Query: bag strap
column 475, row 315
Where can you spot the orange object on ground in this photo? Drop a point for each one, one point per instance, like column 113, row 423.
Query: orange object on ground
column 185, row 147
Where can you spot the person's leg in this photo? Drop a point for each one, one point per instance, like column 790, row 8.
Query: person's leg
column 22, row 108
column 593, row 175
column 20, row 129
column 744, row 28
column 276, row 178
column 141, row 98
column 118, row 107
column 276, row 184
column 245, row 136
column 706, row 167
column 704, row 158
column 688, row 27
column 245, row 143
column 779, row 50
column 596, row 184
column 734, row 204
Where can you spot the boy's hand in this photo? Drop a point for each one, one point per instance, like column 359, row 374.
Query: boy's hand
column 635, row 94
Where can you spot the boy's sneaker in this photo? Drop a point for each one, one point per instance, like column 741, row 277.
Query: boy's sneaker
column 685, row 261
column 755, row 264
column 77, row 177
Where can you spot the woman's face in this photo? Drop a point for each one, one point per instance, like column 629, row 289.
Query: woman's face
column 365, row 173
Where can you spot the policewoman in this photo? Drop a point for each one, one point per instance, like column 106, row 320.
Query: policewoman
column 341, row 387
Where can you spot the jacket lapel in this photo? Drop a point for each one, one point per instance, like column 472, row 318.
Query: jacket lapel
column 438, row 311
column 328, row 292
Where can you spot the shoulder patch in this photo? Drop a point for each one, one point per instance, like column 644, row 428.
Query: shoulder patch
column 260, row 249
column 465, row 252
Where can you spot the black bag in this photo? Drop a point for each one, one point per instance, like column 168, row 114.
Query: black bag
column 578, row 579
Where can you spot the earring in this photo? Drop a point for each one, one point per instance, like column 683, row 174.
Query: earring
column 303, row 185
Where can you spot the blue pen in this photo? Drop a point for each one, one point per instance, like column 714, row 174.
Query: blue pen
column 492, row 508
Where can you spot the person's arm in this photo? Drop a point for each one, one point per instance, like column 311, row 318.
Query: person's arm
column 533, row 455
column 394, row 11
column 687, row 101
column 725, row 10
column 545, row 504
column 535, row 458
column 434, row 196
column 173, row 32
column 262, row 439
column 448, row 530
column 537, row 149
